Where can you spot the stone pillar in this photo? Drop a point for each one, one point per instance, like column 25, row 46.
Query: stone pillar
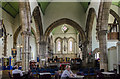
column 5, row 45
column 103, row 49
column 102, row 30
column 24, row 9
column 38, row 48
column 84, row 54
column 67, row 47
column 42, row 49
column 75, row 47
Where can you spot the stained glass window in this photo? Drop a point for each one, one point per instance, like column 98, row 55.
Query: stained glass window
column 70, row 45
column 64, row 28
column 97, row 55
column 59, row 46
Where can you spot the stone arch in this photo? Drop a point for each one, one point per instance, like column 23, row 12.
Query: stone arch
column 15, row 36
column 89, row 23
column 71, row 38
column 38, row 21
column 113, row 47
column 89, row 26
column 58, row 38
column 96, row 50
column 65, row 21
column 115, row 15
column 5, row 41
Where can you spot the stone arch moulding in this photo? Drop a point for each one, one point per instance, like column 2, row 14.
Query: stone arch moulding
column 5, row 41
column 89, row 22
column 113, row 47
column 38, row 21
column 71, row 38
column 114, row 14
column 65, row 21
column 15, row 36
column 96, row 50
column 58, row 38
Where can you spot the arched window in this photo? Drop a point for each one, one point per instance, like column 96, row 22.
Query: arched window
column 71, row 45
column 59, row 45
column 97, row 55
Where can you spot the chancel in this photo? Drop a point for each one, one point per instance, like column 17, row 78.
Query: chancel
column 39, row 39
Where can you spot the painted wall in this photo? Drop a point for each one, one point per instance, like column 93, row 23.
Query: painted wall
column 59, row 10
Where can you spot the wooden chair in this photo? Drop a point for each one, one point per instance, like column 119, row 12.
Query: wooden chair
column 17, row 76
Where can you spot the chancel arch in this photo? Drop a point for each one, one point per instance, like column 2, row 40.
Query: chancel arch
column 66, row 34
column 65, row 21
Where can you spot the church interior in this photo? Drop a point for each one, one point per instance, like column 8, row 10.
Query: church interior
column 48, row 35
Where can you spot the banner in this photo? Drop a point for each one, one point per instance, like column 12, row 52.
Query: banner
column 14, row 52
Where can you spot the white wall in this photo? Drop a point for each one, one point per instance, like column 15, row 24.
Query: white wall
column 95, row 43
column 16, row 23
column 33, row 48
column 59, row 10
column 8, row 22
column 112, row 57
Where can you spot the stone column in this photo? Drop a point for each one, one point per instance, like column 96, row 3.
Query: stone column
column 67, row 47
column 103, row 49
column 24, row 9
column 38, row 49
column 75, row 47
column 84, row 54
column 5, row 45
column 102, row 30
column 42, row 48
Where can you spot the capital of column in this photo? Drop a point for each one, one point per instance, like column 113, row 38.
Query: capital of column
column 118, row 43
column 26, row 33
column 101, row 33
column 85, row 42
